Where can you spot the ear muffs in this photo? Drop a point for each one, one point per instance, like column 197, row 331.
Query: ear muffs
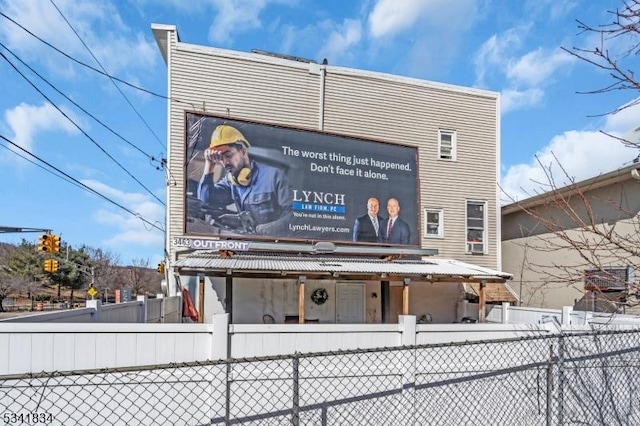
column 244, row 177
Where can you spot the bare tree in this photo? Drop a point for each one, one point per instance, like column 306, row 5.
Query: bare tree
column 107, row 275
column 617, row 49
column 141, row 278
column 580, row 226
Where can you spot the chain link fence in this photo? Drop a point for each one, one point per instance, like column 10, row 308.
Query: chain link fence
column 586, row 378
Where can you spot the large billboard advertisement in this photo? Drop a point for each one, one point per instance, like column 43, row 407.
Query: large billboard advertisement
column 258, row 181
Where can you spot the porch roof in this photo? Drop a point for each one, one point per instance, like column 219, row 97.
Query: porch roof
column 275, row 265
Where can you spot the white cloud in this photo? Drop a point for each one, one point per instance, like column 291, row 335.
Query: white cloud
column 99, row 24
column 130, row 229
column 233, row 17
column 524, row 76
column 27, row 121
column 550, row 9
column 495, row 53
column 341, row 38
column 581, row 153
column 537, row 67
column 511, row 99
column 237, row 16
column 390, row 17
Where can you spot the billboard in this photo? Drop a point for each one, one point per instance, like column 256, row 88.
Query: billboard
column 260, row 181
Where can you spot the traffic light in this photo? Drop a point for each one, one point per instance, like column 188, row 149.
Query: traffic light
column 55, row 244
column 51, row 265
column 43, row 243
column 49, row 243
column 161, row 267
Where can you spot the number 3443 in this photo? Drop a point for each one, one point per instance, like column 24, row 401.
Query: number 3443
column 27, row 418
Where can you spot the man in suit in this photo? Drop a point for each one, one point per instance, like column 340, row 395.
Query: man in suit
column 395, row 230
column 367, row 227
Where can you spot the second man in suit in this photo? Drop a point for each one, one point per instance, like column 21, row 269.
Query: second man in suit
column 394, row 230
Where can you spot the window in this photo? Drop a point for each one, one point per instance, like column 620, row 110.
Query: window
column 447, row 145
column 433, row 223
column 617, row 278
column 476, row 227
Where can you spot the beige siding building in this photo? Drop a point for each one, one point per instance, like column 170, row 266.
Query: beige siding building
column 454, row 131
column 551, row 240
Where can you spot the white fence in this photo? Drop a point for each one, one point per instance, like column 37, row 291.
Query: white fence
column 142, row 310
column 507, row 314
column 38, row 347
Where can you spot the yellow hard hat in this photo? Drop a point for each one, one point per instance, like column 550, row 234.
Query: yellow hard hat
column 226, row 135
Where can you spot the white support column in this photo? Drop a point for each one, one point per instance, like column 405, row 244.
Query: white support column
column 407, row 326
column 566, row 315
column 505, row 312
column 95, row 304
column 220, row 337
column 143, row 308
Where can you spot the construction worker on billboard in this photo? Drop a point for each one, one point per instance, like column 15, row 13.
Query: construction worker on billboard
column 260, row 190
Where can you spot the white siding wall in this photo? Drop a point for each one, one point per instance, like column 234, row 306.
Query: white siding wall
column 368, row 105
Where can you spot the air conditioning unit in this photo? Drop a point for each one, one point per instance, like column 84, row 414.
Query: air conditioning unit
column 609, row 279
column 475, row 248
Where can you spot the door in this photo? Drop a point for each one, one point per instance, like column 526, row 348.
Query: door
column 350, row 303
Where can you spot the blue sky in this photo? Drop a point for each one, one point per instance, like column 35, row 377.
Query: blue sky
column 109, row 136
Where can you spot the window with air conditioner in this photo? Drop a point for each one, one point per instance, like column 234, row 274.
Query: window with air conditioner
column 476, row 227
column 447, row 145
column 609, row 278
column 433, row 223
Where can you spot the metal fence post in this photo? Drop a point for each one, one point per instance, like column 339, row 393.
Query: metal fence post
column 295, row 411
column 227, row 394
column 552, row 361
column 561, row 344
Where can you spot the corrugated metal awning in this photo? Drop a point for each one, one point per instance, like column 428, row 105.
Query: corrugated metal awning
column 211, row 261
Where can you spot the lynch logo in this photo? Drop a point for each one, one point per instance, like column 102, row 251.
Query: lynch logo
column 319, row 197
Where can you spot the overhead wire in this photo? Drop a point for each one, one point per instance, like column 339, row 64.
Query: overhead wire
column 86, row 187
column 105, row 71
column 77, row 61
column 149, row 156
column 80, row 129
column 38, row 165
column 102, row 72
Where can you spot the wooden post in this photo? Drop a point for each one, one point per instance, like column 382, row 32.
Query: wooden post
column 301, row 281
column 200, row 298
column 483, row 301
column 405, row 297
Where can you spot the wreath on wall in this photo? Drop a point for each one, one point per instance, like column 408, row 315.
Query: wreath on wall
column 319, row 296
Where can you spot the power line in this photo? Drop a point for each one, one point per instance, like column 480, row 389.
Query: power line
column 81, row 130
column 39, row 165
column 119, row 80
column 150, row 157
column 105, row 71
column 77, row 182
